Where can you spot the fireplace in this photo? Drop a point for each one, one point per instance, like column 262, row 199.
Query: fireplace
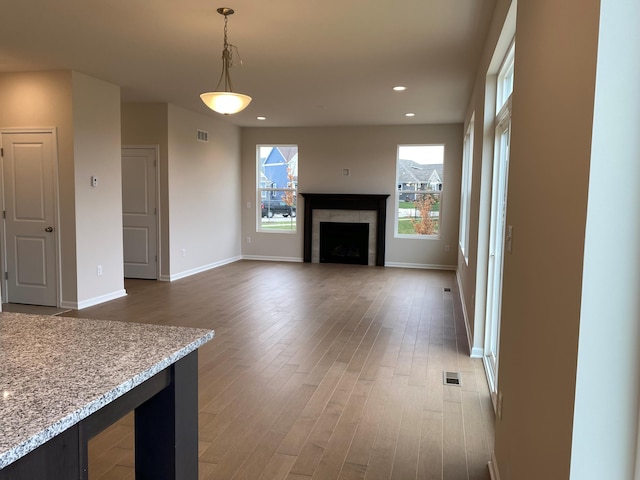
column 342, row 242
column 368, row 209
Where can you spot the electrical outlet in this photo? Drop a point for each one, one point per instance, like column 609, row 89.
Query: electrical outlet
column 447, row 248
column 183, row 252
column 248, row 239
column 99, row 270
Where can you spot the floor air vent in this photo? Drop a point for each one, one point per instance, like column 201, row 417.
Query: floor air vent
column 452, row 378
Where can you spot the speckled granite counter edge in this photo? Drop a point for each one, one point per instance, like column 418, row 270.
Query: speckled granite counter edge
column 65, row 423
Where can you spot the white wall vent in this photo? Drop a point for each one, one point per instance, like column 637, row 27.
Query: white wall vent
column 202, row 136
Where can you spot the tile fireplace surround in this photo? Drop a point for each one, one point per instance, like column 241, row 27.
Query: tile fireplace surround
column 345, row 207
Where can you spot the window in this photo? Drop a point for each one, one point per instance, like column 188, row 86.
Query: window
column 465, row 190
column 505, row 79
column 277, row 188
column 497, row 227
column 419, row 180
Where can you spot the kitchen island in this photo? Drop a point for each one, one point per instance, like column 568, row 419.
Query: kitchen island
column 63, row 380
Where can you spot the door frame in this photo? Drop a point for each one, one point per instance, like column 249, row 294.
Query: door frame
column 156, row 148
column 53, row 131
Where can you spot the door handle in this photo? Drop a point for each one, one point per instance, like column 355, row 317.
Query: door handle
column 48, row 229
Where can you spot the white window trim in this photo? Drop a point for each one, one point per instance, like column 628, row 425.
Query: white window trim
column 466, row 190
column 417, row 236
column 497, row 246
column 505, row 71
column 260, row 190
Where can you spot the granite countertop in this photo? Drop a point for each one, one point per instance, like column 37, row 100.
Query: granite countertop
column 56, row 371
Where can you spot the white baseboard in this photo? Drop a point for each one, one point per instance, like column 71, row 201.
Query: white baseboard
column 491, row 380
column 424, row 266
column 193, row 271
column 263, row 258
column 475, row 352
column 93, row 301
column 493, row 467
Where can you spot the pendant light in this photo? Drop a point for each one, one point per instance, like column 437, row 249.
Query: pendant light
column 225, row 100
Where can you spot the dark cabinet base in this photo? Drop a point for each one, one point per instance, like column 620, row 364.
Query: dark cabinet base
column 166, row 432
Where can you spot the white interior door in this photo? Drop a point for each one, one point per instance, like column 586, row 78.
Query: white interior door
column 139, row 212
column 30, row 227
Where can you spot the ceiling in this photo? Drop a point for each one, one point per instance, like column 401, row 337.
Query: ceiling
column 304, row 62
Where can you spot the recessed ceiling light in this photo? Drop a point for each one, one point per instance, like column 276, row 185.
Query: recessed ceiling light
column 261, row 118
column 409, row 114
column 399, row 88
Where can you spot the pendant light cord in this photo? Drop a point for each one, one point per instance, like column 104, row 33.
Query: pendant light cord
column 226, row 62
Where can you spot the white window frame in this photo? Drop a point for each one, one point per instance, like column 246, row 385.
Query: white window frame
column 271, row 191
column 497, row 242
column 398, row 191
column 466, row 188
column 505, row 78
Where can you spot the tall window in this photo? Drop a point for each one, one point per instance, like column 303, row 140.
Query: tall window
column 498, row 244
column 465, row 190
column 277, row 188
column 419, row 180
column 505, row 79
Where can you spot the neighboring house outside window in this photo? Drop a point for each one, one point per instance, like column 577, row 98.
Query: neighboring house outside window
column 420, row 180
column 277, row 188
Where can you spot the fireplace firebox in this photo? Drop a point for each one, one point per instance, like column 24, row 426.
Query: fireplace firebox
column 342, row 242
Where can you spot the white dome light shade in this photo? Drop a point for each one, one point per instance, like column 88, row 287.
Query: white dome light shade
column 226, row 103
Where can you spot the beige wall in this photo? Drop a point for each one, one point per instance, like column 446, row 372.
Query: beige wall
column 553, row 300
column 370, row 154
column 569, row 341
column 204, row 192
column 44, row 99
column 148, row 124
column 199, row 185
column 547, row 203
column 96, row 127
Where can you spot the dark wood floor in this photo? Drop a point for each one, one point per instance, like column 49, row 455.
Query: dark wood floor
column 319, row 371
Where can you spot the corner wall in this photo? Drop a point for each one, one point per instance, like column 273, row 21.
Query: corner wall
column 96, row 127
column 555, row 64
column 199, row 185
column 608, row 378
column 148, row 124
column 204, row 192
